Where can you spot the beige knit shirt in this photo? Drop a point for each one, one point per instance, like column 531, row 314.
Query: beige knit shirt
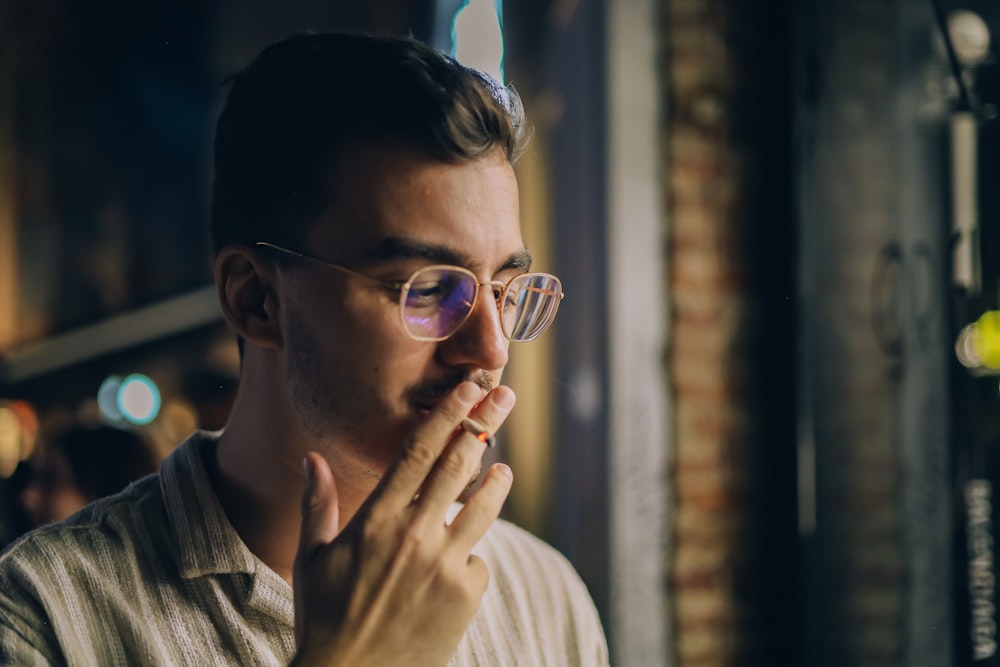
column 156, row 575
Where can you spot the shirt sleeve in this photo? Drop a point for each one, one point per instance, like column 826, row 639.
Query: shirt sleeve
column 26, row 636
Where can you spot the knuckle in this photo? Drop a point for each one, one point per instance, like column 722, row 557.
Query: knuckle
column 373, row 526
column 457, row 463
column 412, row 542
column 393, row 534
column 420, row 453
column 451, row 412
column 481, row 508
column 464, row 587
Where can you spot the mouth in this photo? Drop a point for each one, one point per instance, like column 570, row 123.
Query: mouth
column 426, row 397
column 425, row 405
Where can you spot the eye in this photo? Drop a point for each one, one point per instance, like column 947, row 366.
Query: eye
column 426, row 293
column 512, row 298
column 514, row 290
column 437, row 287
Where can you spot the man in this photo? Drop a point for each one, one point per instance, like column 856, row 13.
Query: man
column 369, row 257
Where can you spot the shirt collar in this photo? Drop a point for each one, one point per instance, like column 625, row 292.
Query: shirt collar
column 207, row 542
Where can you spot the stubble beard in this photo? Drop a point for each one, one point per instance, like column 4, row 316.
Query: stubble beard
column 335, row 411
column 326, row 408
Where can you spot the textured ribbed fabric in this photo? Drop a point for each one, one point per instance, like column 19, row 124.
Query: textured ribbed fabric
column 156, row 575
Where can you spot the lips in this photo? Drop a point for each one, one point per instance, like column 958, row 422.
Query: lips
column 426, row 396
column 426, row 404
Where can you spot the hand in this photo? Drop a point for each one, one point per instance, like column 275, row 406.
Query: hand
column 398, row 586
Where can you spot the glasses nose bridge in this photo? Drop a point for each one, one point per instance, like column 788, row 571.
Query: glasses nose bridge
column 487, row 287
column 497, row 300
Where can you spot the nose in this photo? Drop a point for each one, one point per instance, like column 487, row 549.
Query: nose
column 479, row 343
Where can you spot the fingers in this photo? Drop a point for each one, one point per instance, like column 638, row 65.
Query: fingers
column 460, row 462
column 320, row 510
column 406, row 477
column 483, row 508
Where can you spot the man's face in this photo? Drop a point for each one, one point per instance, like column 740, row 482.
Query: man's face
column 358, row 380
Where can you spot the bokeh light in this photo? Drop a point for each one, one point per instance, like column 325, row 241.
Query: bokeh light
column 107, row 398
column 10, row 440
column 138, row 399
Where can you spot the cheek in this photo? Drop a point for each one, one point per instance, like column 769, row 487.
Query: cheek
column 351, row 316
column 370, row 329
column 359, row 334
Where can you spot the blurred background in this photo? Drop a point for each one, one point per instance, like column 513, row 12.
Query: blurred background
column 765, row 426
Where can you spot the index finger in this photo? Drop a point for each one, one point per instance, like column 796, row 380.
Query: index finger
column 405, row 477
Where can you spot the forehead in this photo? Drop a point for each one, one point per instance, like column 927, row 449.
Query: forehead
column 386, row 193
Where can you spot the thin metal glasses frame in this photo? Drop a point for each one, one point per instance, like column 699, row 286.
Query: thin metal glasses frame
column 403, row 287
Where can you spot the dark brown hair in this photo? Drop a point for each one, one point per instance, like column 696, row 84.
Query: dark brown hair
column 294, row 110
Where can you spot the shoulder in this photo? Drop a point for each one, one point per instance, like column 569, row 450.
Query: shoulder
column 537, row 601
column 99, row 531
column 61, row 584
column 519, row 561
column 138, row 518
column 505, row 539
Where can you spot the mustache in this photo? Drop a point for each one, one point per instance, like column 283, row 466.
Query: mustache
column 431, row 392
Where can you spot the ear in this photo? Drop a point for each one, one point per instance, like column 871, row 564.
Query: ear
column 245, row 281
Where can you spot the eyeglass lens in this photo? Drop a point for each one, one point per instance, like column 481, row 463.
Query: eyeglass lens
column 530, row 305
column 439, row 299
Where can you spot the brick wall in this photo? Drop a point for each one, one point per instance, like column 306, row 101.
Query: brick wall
column 709, row 154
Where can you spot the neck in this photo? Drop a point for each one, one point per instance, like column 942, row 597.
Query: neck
column 257, row 474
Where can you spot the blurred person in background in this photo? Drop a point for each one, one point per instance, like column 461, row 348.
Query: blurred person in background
column 80, row 465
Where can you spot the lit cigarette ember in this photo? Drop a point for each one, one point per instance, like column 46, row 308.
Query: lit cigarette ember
column 478, row 430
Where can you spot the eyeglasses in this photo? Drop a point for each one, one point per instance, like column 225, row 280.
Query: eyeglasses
column 436, row 300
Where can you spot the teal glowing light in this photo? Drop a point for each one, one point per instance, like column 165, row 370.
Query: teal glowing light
column 107, row 398
column 138, row 399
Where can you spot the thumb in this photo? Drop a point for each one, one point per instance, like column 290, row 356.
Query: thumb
column 320, row 509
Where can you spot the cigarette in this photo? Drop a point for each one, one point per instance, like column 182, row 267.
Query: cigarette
column 478, row 430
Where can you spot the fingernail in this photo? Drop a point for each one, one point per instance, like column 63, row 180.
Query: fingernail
column 504, row 399
column 469, row 392
column 505, row 470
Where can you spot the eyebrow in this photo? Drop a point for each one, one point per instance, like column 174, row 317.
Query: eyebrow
column 401, row 247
